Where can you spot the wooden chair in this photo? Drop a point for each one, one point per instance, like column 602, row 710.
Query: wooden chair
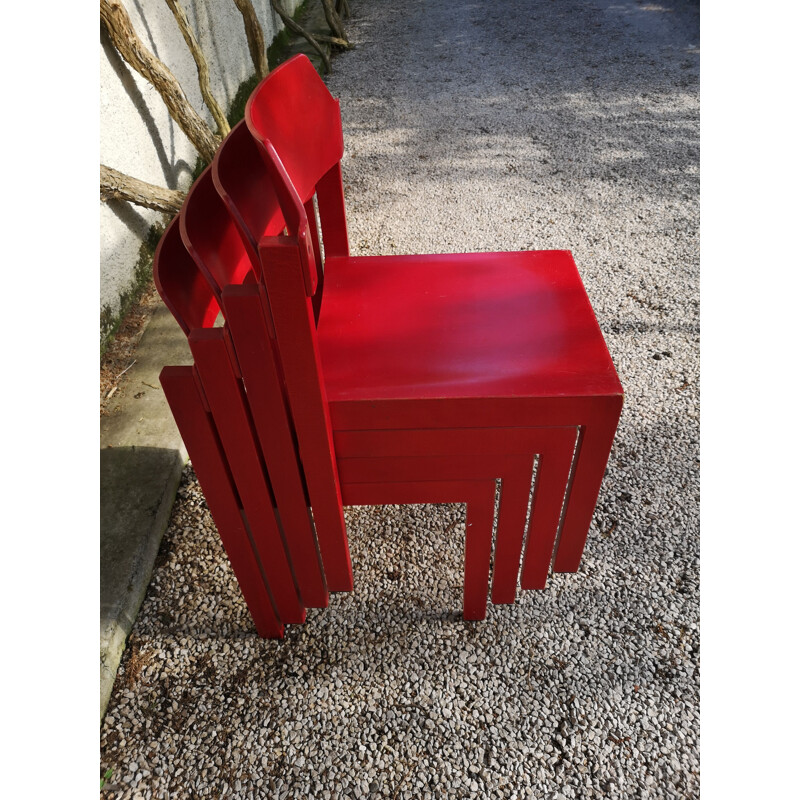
column 482, row 341
column 206, row 230
column 189, row 298
column 408, row 379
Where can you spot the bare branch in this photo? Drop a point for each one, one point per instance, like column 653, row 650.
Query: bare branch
column 300, row 31
column 202, row 66
column 334, row 23
column 343, row 43
column 255, row 37
column 115, row 185
column 120, row 29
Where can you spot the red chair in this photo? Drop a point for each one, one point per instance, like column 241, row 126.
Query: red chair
column 189, row 298
column 428, row 377
column 206, row 403
column 486, row 341
column 220, row 256
column 236, row 169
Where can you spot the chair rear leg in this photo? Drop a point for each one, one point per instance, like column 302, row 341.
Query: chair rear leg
column 254, row 351
column 302, row 369
column 209, row 463
column 479, row 497
column 229, row 410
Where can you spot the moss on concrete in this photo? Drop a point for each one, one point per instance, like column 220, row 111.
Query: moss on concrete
column 142, row 275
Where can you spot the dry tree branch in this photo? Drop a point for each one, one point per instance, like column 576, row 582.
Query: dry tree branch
column 334, row 23
column 343, row 43
column 300, row 31
column 255, row 37
column 343, row 9
column 115, row 185
column 119, row 27
column 202, row 66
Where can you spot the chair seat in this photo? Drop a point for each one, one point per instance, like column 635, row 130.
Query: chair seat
column 474, row 325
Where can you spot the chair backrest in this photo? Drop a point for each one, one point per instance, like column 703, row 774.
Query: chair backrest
column 292, row 112
column 241, row 180
column 293, row 109
column 212, row 238
column 295, row 123
column 183, row 288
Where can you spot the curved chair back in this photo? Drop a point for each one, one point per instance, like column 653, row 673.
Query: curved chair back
column 212, row 239
column 183, row 288
column 293, row 109
column 241, row 180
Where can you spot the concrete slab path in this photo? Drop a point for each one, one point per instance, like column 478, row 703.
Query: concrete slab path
column 141, row 459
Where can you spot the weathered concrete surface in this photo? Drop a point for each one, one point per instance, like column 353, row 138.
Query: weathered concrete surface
column 141, row 459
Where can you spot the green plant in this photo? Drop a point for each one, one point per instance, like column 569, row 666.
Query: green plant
column 106, row 776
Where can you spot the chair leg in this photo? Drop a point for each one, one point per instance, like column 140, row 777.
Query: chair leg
column 229, row 410
column 479, row 497
column 309, row 405
column 198, row 433
column 478, row 550
column 548, row 499
column 256, row 357
column 514, row 494
column 594, row 449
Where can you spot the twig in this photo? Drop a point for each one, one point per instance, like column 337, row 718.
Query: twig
column 322, row 37
column 116, row 185
column 402, row 781
column 202, row 66
column 125, row 370
column 151, row 386
column 113, row 389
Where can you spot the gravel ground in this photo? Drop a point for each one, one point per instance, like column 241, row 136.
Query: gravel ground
column 475, row 126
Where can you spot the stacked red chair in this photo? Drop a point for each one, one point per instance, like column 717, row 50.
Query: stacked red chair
column 342, row 380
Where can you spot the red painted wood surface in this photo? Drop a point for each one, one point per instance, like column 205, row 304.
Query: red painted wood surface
column 599, row 413
column 293, row 109
column 216, row 245
column 256, row 359
column 330, row 197
column 232, row 417
column 185, row 291
column 241, row 180
column 211, row 238
column 293, row 317
column 504, row 453
column 593, row 452
column 181, row 388
column 482, row 325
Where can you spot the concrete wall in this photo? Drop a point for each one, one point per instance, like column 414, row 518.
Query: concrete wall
column 137, row 135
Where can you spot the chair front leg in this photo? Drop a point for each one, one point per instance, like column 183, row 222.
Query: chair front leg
column 515, row 491
column 548, row 500
column 478, row 549
column 594, row 449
